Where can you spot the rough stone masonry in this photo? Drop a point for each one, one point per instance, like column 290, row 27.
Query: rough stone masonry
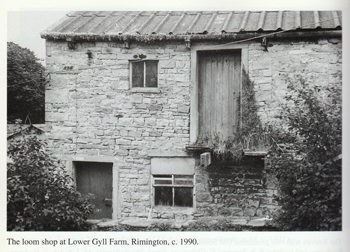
column 90, row 110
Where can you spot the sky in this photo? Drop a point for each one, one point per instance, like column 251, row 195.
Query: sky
column 24, row 28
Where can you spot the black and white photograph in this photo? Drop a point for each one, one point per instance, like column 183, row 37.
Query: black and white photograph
column 176, row 129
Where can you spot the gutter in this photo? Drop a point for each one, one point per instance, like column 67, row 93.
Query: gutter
column 192, row 37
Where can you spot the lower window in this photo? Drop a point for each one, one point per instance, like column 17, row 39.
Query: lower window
column 173, row 190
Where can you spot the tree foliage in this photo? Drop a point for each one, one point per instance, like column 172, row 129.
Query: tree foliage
column 310, row 176
column 40, row 194
column 25, row 85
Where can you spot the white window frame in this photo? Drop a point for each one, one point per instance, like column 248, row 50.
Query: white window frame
column 173, row 186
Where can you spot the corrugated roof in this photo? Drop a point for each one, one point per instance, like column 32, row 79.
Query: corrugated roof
column 148, row 23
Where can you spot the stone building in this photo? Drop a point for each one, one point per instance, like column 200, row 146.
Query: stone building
column 132, row 92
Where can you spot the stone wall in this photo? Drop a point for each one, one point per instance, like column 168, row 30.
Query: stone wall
column 245, row 189
column 91, row 111
column 318, row 62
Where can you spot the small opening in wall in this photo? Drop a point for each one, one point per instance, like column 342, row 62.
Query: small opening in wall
column 173, row 190
column 89, row 54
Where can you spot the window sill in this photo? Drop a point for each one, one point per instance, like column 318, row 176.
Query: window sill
column 169, row 212
column 144, row 90
column 173, row 208
column 255, row 153
column 194, row 148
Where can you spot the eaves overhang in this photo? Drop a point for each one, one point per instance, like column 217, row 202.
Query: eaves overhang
column 192, row 37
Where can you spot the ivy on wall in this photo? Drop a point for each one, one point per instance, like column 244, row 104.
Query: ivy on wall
column 251, row 134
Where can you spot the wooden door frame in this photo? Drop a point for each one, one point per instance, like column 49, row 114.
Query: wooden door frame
column 116, row 208
column 194, row 115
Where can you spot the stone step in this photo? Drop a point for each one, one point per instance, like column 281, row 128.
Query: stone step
column 143, row 223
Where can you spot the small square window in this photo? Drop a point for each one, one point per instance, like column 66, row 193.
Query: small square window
column 144, row 74
column 173, row 190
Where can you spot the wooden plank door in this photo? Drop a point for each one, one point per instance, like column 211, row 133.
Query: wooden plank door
column 96, row 178
column 219, row 82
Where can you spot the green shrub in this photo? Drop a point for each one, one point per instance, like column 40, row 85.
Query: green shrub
column 40, row 194
column 310, row 177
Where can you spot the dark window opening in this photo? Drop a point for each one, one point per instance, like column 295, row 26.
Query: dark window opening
column 173, row 190
column 163, row 196
column 138, row 74
column 144, row 74
column 183, row 196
